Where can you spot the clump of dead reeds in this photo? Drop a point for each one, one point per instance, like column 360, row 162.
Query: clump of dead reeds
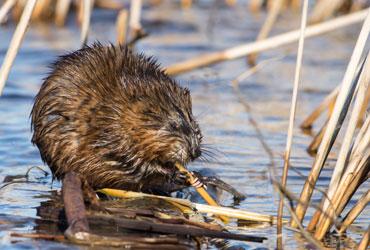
column 41, row 10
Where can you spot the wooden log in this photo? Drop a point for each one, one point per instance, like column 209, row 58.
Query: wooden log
column 74, row 204
column 193, row 231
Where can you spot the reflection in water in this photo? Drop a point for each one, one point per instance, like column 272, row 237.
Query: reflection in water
column 174, row 36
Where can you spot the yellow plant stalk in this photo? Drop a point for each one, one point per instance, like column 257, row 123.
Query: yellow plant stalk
column 201, row 191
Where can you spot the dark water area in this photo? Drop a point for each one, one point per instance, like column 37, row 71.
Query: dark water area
column 175, row 35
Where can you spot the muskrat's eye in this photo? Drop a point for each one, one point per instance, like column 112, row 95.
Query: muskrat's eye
column 174, row 126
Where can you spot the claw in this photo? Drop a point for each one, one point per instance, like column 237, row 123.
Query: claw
column 197, row 183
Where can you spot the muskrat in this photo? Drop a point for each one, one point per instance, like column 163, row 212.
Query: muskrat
column 116, row 118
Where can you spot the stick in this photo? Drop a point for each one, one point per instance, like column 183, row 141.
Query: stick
column 266, row 27
column 16, row 42
column 147, row 226
column 201, row 190
column 74, row 205
column 273, row 42
column 293, row 108
column 355, row 211
column 5, row 9
column 60, row 238
column 61, row 11
column 335, row 120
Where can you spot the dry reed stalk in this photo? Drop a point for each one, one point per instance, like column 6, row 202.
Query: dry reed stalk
column 269, row 43
column 276, row 184
column 293, row 107
column 354, row 175
column 87, row 6
column 223, row 211
column 335, row 120
column 109, row 4
column 342, row 197
column 186, row 4
column 364, row 109
column 61, row 11
column 202, row 192
column 355, row 211
column 325, row 9
column 315, row 143
column 295, row 4
column 231, row 3
column 345, row 149
column 5, row 8
column 266, row 27
column 365, row 241
column 255, row 5
column 134, row 22
column 307, row 123
column 40, row 10
column 121, row 26
column 15, row 43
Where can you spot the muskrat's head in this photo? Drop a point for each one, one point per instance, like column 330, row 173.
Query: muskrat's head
column 163, row 130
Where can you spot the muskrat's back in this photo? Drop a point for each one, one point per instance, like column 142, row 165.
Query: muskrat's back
column 115, row 118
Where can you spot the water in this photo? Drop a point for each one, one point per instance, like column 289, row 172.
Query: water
column 175, row 35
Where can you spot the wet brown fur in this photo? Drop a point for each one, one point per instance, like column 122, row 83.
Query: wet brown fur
column 114, row 117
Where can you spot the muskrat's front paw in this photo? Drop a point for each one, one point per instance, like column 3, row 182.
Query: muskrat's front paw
column 198, row 180
column 180, row 178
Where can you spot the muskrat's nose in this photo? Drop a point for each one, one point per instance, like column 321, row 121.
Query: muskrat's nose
column 195, row 153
